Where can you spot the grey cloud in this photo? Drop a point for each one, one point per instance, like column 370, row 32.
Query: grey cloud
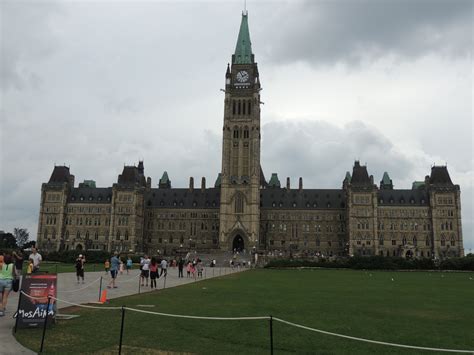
column 26, row 32
column 355, row 31
column 321, row 153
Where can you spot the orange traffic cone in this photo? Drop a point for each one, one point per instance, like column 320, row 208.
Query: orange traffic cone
column 103, row 297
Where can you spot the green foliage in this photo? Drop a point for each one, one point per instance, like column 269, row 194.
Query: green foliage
column 8, row 241
column 93, row 256
column 378, row 263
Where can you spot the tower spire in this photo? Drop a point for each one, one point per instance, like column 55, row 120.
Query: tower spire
column 243, row 49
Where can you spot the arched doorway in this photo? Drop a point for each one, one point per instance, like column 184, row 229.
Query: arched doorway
column 79, row 247
column 409, row 254
column 238, row 243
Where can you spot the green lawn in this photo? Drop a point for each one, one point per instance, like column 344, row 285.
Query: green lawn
column 417, row 308
column 62, row 267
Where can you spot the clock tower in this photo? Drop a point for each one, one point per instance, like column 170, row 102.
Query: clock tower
column 240, row 175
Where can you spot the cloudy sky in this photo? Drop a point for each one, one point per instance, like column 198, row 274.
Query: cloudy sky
column 99, row 84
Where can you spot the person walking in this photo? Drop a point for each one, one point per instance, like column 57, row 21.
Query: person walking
column 153, row 272
column 129, row 265
column 164, row 267
column 114, row 268
column 7, row 268
column 145, row 270
column 37, row 259
column 80, row 268
column 180, row 267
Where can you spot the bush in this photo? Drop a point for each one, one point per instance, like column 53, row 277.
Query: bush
column 378, row 263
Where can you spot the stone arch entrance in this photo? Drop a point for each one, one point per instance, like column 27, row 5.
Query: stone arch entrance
column 79, row 247
column 238, row 243
column 409, row 254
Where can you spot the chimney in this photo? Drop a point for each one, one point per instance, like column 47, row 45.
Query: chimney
column 148, row 182
column 191, row 184
column 300, row 187
column 203, row 184
column 287, row 183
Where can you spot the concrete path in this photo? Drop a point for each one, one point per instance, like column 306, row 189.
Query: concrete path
column 69, row 290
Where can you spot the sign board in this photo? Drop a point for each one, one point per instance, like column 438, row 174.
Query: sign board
column 32, row 311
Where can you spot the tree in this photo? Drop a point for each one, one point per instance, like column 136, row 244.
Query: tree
column 7, row 240
column 21, row 236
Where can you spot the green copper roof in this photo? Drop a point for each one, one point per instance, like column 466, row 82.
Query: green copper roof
column 348, row 176
column 417, row 185
column 218, row 181
column 89, row 183
column 164, row 179
column 274, row 181
column 386, row 179
column 243, row 49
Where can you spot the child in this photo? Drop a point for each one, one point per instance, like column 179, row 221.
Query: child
column 199, row 269
column 29, row 268
column 107, row 265
column 121, row 267
column 188, row 269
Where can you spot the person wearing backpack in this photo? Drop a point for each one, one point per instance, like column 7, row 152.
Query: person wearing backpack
column 7, row 269
column 80, row 268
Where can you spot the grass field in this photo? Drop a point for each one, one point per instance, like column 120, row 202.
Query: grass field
column 51, row 267
column 417, row 308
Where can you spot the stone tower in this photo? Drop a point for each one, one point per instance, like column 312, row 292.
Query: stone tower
column 240, row 176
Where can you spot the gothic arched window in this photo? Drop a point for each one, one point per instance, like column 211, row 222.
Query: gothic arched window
column 239, row 203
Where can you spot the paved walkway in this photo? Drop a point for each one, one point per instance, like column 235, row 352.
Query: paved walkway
column 70, row 291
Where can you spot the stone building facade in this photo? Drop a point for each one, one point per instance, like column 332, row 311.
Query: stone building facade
column 242, row 210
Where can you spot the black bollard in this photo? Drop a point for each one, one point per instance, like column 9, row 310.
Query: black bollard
column 18, row 310
column 121, row 329
column 44, row 324
column 271, row 335
column 100, row 287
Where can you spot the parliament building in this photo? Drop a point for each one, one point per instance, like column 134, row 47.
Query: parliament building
column 244, row 210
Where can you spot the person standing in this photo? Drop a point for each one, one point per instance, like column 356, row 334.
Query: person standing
column 180, row 267
column 7, row 268
column 80, row 268
column 145, row 270
column 114, row 268
column 129, row 265
column 29, row 268
column 164, row 267
column 107, row 266
column 37, row 259
column 153, row 272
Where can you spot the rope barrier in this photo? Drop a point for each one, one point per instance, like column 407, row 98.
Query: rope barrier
column 261, row 318
column 195, row 317
column 79, row 289
column 372, row 341
column 132, row 278
column 67, row 302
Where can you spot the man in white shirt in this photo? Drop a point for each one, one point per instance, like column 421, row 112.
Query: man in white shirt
column 145, row 270
column 164, row 267
column 36, row 257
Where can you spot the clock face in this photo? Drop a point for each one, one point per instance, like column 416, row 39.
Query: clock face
column 242, row 76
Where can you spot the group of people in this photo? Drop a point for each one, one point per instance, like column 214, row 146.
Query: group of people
column 11, row 266
column 149, row 268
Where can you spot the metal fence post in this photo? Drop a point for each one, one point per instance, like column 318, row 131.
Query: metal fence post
column 139, row 284
column 121, row 330
column 100, row 287
column 271, row 335
column 18, row 310
column 44, row 324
